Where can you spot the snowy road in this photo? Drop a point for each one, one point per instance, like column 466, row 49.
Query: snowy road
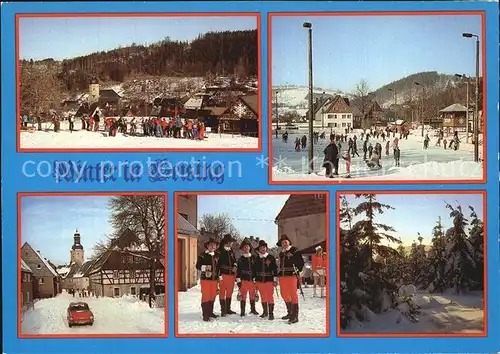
column 95, row 140
column 312, row 316
column 440, row 313
column 123, row 315
column 416, row 163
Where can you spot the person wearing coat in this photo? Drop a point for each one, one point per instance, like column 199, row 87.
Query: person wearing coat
column 331, row 161
column 227, row 267
column 265, row 275
column 207, row 263
column 245, row 278
column 291, row 264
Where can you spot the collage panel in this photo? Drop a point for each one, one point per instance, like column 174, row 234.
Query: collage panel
column 263, row 272
column 398, row 278
column 377, row 105
column 113, row 281
column 138, row 82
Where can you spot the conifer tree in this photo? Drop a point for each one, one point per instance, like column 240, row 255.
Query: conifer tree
column 436, row 280
column 476, row 238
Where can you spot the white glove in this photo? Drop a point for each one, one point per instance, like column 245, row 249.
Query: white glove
column 238, row 280
column 203, row 268
column 275, row 279
column 220, row 278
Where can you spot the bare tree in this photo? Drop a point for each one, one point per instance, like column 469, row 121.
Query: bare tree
column 40, row 89
column 362, row 98
column 101, row 247
column 219, row 225
column 145, row 216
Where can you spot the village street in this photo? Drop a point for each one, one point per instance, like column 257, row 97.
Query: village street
column 123, row 315
column 312, row 316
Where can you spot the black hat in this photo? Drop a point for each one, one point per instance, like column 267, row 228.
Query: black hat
column 211, row 240
column 226, row 239
column 245, row 242
column 283, row 237
column 262, row 243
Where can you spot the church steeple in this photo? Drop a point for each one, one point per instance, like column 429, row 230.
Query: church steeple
column 76, row 253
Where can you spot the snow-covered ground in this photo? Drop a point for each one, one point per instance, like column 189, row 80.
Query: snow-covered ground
column 125, row 315
column 435, row 163
column 293, row 98
column 96, row 140
column 440, row 313
column 312, row 316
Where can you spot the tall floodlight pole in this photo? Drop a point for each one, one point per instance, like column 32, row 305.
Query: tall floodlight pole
column 476, row 122
column 467, row 106
column 276, row 111
column 422, row 106
column 308, row 25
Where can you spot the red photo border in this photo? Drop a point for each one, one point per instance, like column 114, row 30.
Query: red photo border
column 257, row 16
column 412, row 335
column 252, row 335
column 20, row 195
column 375, row 13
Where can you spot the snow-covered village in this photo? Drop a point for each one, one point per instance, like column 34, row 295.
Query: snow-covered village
column 92, row 265
column 371, row 114
column 167, row 88
column 229, row 281
column 398, row 277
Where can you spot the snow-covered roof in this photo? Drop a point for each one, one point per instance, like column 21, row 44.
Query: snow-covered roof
column 194, row 103
column 456, row 107
column 135, row 247
column 63, row 270
column 25, row 267
column 47, row 264
column 185, row 227
column 399, row 121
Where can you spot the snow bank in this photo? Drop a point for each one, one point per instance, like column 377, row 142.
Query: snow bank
column 312, row 316
column 125, row 315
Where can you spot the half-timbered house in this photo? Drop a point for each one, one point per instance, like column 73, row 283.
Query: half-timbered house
column 47, row 280
column 126, row 268
column 242, row 117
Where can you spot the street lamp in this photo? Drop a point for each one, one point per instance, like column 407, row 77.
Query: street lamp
column 422, row 105
column 476, row 105
column 467, row 105
column 308, row 25
column 276, row 113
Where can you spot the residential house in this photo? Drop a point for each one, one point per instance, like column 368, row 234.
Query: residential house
column 454, row 117
column 26, row 283
column 47, row 279
column 400, row 126
column 187, row 241
column 366, row 113
column 338, row 114
column 303, row 219
column 320, row 104
column 128, row 267
column 242, row 117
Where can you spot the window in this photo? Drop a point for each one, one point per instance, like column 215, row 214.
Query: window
column 344, row 116
column 116, row 292
column 116, row 274
column 132, row 291
column 132, row 274
column 335, row 116
column 343, row 125
column 348, row 125
column 330, row 116
column 130, row 259
column 40, row 281
column 335, row 125
column 185, row 216
column 39, row 266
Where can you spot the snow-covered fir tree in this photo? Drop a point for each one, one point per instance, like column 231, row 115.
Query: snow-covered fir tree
column 436, row 277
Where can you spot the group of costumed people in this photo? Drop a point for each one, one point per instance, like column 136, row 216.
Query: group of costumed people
column 253, row 273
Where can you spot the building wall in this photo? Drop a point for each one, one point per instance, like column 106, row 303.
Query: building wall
column 45, row 287
column 77, row 256
column 339, row 121
column 26, row 287
column 81, row 283
column 304, row 231
column 93, row 93
column 190, row 255
column 188, row 206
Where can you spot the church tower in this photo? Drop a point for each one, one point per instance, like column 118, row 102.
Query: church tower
column 94, row 91
column 76, row 253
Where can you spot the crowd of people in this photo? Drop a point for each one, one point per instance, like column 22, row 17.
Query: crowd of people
column 257, row 274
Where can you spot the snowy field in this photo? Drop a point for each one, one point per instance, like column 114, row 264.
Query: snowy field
column 312, row 316
column 440, row 313
column 125, row 315
column 435, row 163
column 96, row 140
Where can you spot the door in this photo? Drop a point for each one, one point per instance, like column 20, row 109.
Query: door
column 181, row 264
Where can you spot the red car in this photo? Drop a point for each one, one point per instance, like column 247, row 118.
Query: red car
column 79, row 314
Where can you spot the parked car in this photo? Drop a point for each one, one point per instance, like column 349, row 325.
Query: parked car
column 79, row 314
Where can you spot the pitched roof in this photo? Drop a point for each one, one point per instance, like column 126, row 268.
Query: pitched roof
column 185, row 227
column 44, row 261
column 108, row 94
column 252, row 101
column 83, row 269
column 336, row 100
column 194, row 103
column 456, row 107
column 25, row 267
column 302, row 205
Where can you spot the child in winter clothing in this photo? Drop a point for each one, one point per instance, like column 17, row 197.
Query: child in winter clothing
column 347, row 158
column 397, row 154
column 387, row 146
